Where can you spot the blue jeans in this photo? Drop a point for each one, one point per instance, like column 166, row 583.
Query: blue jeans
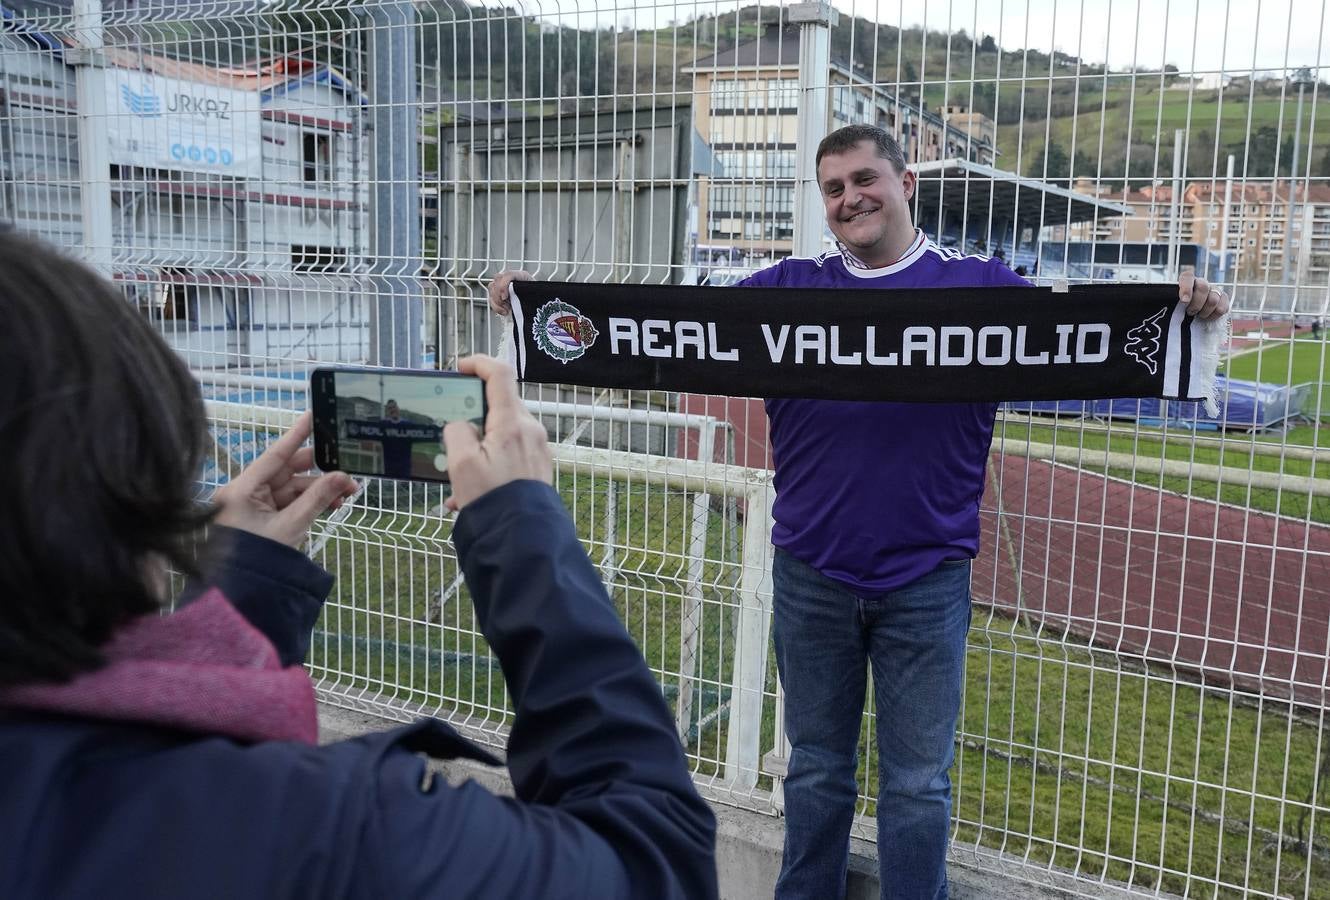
column 914, row 639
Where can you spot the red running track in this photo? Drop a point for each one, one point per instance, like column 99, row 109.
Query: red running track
column 1240, row 597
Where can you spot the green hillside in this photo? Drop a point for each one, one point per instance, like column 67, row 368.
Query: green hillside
column 1107, row 123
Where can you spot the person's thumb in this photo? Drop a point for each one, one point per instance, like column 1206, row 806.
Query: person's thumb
column 460, row 438
column 315, row 499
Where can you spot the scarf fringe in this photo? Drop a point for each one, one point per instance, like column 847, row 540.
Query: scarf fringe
column 1212, row 336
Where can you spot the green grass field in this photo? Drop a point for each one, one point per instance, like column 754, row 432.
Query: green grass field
column 1304, row 360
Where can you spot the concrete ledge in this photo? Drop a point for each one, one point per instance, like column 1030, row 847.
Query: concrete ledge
column 748, row 843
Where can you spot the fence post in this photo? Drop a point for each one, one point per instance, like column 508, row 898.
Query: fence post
column 814, row 21
column 396, row 241
column 743, row 746
column 93, row 135
column 690, row 625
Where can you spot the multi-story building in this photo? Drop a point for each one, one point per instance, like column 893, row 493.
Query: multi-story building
column 1250, row 232
column 238, row 195
column 745, row 108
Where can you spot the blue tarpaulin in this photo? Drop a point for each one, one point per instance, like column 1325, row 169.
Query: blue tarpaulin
column 1247, row 405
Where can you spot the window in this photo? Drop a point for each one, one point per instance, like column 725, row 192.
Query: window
column 307, row 258
column 781, row 164
column 780, row 200
column 177, row 214
column 842, row 102
column 726, row 228
column 783, row 93
column 723, row 198
column 317, row 157
column 754, row 164
column 177, row 303
column 725, row 93
column 755, row 95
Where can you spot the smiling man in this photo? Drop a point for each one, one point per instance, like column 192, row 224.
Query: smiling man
column 877, row 521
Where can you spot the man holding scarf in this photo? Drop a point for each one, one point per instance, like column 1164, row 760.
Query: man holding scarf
column 876, row 524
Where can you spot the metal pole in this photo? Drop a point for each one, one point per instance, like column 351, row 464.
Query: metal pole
column 94, row 142
column 1301, row 78
column 1223, row 234
column 1175, row 206
column 398, row 307
column 814, row 21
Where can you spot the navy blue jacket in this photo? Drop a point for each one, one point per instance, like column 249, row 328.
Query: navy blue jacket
column 604, row 803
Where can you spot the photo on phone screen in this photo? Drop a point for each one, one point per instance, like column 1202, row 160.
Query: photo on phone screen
column 390, row 423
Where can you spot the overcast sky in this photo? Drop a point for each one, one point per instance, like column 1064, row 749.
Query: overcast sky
column 1194, row 35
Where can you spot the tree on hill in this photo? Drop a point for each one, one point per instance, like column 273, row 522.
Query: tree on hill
column 1262, row 149
column 1053, row 163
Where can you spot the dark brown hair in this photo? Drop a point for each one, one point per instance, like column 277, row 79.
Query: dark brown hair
column 102, row 436
column 843, row 140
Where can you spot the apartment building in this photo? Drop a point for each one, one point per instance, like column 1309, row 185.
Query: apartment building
column 1248, row 221
column 745, row 108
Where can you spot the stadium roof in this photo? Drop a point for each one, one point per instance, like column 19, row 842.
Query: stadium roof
column 959, row 185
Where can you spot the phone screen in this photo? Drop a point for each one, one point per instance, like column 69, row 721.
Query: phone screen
column 390, row 423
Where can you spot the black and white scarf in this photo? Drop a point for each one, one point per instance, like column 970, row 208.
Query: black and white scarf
column 929, row 345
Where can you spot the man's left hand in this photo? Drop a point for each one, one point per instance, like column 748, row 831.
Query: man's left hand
column 1203, row 301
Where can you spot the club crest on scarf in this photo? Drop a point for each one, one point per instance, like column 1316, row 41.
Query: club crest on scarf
column 561, row 331
column 1143, row 341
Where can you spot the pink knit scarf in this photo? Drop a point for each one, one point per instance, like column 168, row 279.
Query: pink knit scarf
column 202, row 669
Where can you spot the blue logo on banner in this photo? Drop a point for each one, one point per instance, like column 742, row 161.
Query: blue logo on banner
column 146, row 105
column 210, row 155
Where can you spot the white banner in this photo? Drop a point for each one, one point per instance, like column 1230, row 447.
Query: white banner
column 166, row 123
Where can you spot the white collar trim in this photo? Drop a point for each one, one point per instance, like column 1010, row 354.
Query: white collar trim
column 856, row 267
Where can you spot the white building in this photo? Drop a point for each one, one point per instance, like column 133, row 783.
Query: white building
column 238, row 195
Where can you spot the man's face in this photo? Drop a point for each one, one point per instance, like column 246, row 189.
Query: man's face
column 392, row 412
column 864, row 196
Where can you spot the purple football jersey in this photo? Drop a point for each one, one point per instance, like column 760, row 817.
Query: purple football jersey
column 877, row 494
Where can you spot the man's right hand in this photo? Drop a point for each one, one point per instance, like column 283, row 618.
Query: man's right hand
column 514, row 446
column 498, row 289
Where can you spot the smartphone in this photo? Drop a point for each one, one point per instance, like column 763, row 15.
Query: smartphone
column 389, row 422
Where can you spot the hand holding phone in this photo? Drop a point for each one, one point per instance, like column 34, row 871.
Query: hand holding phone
column 390, row 422
column 514, row 445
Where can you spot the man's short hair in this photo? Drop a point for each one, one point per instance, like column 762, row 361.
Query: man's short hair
column 102, row 436
column 843, row 140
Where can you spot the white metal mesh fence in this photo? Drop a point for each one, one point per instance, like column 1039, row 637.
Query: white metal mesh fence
column 277, row 184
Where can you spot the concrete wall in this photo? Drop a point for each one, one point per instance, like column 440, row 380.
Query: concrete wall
column 748, row 843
